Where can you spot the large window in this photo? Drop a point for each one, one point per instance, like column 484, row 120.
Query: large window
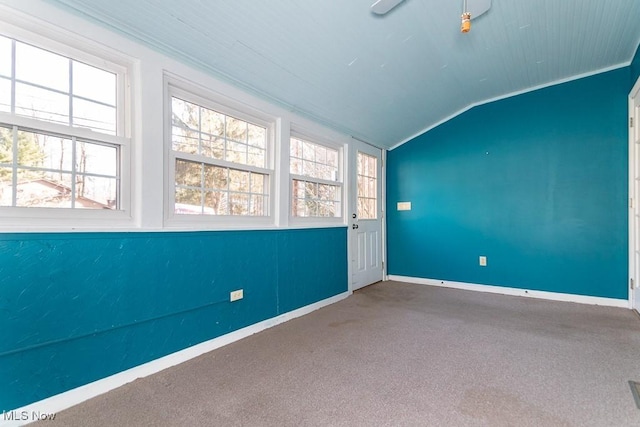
column 316, row 180
column 62, row 126
column 219, row 161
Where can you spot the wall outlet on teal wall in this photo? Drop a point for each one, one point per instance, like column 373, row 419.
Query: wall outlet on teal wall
column 236, row 295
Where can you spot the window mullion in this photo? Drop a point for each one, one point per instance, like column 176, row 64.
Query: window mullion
column 73, row 170
column 13, row 77
column 220, row 163
column 200, row 130
column 14, row 168
column 246, row 141
column 59, row 129
column 70, row 94
column 317, row 180
column 228, row 189
column 118, row 178
column 47, row 88
column 202, row 187
column 250, row 193
column 224, row 149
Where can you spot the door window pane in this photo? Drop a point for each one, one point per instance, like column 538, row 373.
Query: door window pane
column 367, row 181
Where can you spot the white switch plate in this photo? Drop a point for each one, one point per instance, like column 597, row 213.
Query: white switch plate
column 236, row 295
column 404, row 206
column 483, row 261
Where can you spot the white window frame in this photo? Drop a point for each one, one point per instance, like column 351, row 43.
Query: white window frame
column 71, row 46
column 191, row 92
column 311, row 221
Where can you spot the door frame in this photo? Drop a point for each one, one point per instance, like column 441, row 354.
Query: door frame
column 383, row 200
column 351, row 205
column 634, row 205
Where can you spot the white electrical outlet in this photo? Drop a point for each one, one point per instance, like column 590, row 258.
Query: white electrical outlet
column 236, row 295
column 483, row 261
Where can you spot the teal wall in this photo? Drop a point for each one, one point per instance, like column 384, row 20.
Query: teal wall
column 536, row 182
column 78, row 307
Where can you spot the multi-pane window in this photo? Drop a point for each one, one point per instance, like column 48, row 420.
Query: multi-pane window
column 367, row 176
column 55, row 171
column 61, row 132
column 220, row 162
column 316, row 184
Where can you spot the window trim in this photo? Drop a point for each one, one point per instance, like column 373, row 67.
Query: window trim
column 310, row 221
column 80, row 49
column 175, row 86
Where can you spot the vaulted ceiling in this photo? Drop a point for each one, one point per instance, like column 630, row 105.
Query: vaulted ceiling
column 381, row 79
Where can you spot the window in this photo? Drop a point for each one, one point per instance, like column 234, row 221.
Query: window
column 367, row 186
column 316, row 187
column 219, row 161
column 62, row 126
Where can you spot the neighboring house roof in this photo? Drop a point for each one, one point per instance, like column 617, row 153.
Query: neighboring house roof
column 46, row 193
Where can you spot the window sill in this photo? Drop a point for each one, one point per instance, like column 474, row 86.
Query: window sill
column 18, row 220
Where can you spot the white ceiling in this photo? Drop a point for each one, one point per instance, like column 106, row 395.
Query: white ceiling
column 380, row 79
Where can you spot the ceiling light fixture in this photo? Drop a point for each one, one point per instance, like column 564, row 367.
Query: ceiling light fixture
column 472, row 11
column 477, row 8
column 465, row 26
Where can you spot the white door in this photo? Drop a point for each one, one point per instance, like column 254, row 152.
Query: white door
column 634, row 197
column 365, row 216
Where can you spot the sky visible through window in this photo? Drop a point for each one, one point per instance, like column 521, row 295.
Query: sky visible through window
column 51, row 170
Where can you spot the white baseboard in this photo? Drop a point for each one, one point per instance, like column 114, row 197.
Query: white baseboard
column 59, row 402
column 553, row 296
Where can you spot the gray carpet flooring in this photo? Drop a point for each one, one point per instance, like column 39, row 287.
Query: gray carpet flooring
column 397, row 354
